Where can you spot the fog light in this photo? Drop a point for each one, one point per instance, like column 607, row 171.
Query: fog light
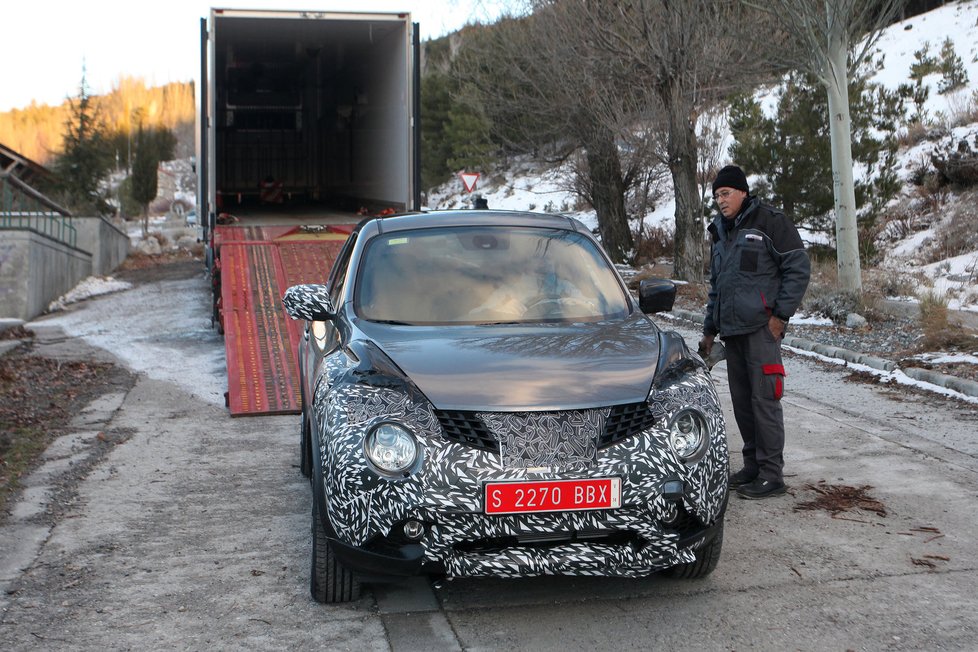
column 413, row 530
column 670, row 514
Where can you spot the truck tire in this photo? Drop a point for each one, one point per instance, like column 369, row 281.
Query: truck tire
column 305, row 447
column 329, row 581
column 706, row 560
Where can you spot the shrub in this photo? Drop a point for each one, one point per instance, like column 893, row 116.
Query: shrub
column 939, row 333
column 923, row 64
column 953, row 74
column 831, row 302
column 956, row 235
column 651, row 243
column 957, row 166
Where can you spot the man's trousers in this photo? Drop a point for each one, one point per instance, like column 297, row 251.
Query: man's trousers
column 756, row 376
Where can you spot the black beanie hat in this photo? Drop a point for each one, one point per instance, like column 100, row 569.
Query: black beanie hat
column 731, row 176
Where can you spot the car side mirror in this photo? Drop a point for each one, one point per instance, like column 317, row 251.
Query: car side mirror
column 309, row 302
column 656, row 295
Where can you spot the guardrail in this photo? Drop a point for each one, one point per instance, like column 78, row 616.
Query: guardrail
column 22, row 208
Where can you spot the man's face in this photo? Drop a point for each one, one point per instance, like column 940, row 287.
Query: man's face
column 729, row 200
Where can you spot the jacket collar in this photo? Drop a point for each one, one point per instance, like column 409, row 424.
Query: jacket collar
column 751, row 202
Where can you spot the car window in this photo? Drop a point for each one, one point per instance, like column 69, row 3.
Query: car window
column 472, row 275
column 338, row 274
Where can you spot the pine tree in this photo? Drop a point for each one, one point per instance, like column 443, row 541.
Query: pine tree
column 467, row 134
column 85, row 162
column 436, row 100
column 953, row 73
column 143, row 184
column 792, row 149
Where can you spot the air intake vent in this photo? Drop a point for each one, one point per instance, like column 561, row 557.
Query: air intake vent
column 625, row 421
column 467, row 428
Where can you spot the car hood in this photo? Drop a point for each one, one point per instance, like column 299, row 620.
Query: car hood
column 521, row 367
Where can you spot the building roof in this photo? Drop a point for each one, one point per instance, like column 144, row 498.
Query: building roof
column 21, row 173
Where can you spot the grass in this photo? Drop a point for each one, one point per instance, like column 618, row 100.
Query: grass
column 939, row 333
column 38, row 398
column 19, row 449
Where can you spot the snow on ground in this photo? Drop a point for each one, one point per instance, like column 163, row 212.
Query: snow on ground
column 801, row 317
column 955, row 21
column 896, row 376
column 92, row 286
column 947, row 358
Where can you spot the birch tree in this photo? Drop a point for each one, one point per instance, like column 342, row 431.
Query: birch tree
column 833, row 37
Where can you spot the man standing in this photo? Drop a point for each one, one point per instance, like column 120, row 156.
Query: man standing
column 758, row 275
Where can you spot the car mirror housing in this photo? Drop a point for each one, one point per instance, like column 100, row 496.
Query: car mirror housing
column 309, row 302
column 656, row 295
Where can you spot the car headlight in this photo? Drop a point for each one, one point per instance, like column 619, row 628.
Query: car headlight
column 688, row 435
column 391, row 448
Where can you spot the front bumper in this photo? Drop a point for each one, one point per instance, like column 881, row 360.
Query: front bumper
column 559, row 554
column 651, row 531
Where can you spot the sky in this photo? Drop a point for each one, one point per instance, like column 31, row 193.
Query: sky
column 47, row 41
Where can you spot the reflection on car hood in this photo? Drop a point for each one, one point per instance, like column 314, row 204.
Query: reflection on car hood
column 525, row 367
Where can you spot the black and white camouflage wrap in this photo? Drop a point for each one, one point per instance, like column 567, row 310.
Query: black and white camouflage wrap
column 447, row 492
column 309, row 302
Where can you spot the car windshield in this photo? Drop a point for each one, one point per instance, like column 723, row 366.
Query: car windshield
column 494, row 274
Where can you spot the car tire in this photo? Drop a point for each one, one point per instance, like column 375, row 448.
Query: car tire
column 330, row 581
column 706, row 560
column 305, row 447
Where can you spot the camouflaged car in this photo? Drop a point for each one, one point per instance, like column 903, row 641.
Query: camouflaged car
column 482, row 397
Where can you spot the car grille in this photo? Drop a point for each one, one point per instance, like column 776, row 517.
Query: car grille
column 467, row 428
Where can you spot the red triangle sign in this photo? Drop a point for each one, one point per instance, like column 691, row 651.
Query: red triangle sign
column 468, row 180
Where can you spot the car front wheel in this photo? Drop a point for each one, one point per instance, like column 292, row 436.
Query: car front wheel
column 706, row 560
column 329, row 580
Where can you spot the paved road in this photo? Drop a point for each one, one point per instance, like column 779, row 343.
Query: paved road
column 194, row 533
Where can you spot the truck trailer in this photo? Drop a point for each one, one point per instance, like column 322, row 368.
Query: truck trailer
column 307, row 121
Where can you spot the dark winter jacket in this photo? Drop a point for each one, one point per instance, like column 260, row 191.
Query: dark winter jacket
column 758, row 268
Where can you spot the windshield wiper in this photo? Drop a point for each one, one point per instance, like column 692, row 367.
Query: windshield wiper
column 392, row 322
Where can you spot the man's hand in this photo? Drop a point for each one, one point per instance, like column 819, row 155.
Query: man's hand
column 776, row 326
column 706, row 345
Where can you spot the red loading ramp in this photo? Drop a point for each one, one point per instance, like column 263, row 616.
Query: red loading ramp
column 261, row 341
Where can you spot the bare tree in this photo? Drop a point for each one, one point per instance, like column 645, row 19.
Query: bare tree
column 833, row 38
column 688, row 54
column 546, row 87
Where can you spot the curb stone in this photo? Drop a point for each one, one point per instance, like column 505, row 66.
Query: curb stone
column 962, row 385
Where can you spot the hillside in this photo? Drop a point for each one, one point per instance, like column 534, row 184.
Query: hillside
column 37, row 131
column 925, row 240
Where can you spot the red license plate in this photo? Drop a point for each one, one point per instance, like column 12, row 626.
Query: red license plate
column 552, row 495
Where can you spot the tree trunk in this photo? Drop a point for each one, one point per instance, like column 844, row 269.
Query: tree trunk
column 840, row 131
column 145, row 220
column 608, row 196
column 689, row 241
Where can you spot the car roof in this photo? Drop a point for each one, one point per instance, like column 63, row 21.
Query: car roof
column 472, row 218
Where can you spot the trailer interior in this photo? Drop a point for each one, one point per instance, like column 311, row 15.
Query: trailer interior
column 311, row 115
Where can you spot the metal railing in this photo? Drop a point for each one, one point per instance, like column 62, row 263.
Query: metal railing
column 23, row 208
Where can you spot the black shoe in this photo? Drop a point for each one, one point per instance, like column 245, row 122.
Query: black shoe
column 761, row 489
column 741, row 477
